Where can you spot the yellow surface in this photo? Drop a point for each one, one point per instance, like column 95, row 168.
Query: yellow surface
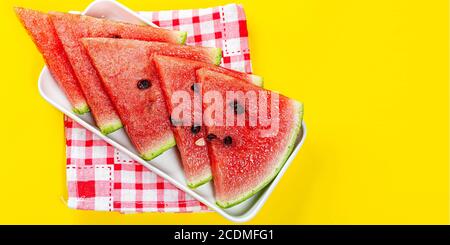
column 374, row 79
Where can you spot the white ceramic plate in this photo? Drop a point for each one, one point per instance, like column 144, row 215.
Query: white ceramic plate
column 168, row 164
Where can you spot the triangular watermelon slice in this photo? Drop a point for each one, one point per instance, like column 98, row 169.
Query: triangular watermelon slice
column 71, row 28
column 41, row 30
column 245, row 158
column 132, row 83
column 178, row 74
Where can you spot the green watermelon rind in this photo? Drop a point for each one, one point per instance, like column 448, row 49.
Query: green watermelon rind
column 152, row 153
column 216, row 56
column 257, row 80
column 269, row 179
column 81, row 109
column 182, row 36
column 200, row 182
column 110, row 127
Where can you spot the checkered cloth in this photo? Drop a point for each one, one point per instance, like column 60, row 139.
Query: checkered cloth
column 99, row 177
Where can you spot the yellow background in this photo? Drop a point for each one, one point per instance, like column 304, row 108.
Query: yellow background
column 374, row 79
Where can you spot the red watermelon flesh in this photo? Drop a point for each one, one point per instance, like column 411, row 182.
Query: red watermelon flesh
column 132, row 83
column 243, row 159
column 41, row 30
column 71, row 28
column 178, row 74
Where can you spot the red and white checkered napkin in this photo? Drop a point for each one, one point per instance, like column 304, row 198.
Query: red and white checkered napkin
column 99, row 177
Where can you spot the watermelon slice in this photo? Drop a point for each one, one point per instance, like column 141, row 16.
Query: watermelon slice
column 129, row 78
column 177, row 74
column 244, row 159
column 41, row 30
column 71, row 28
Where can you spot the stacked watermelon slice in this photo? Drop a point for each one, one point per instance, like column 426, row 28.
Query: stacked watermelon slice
column 131, row 75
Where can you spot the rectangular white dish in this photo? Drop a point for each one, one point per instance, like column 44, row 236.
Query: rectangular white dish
column 168, row 164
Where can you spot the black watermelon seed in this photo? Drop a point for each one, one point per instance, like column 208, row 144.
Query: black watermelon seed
column 144, row 84
column 172, row 121
column 237, row 108
column 195, row 129
column 227, row 140
column 116, row 36
column 210, row 137
column 194, row 87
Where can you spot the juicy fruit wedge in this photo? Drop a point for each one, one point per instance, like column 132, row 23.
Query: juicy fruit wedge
column 245, row 158
column 130, row 80
column 178, row 74
column 41, row 30
column 71, row 28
